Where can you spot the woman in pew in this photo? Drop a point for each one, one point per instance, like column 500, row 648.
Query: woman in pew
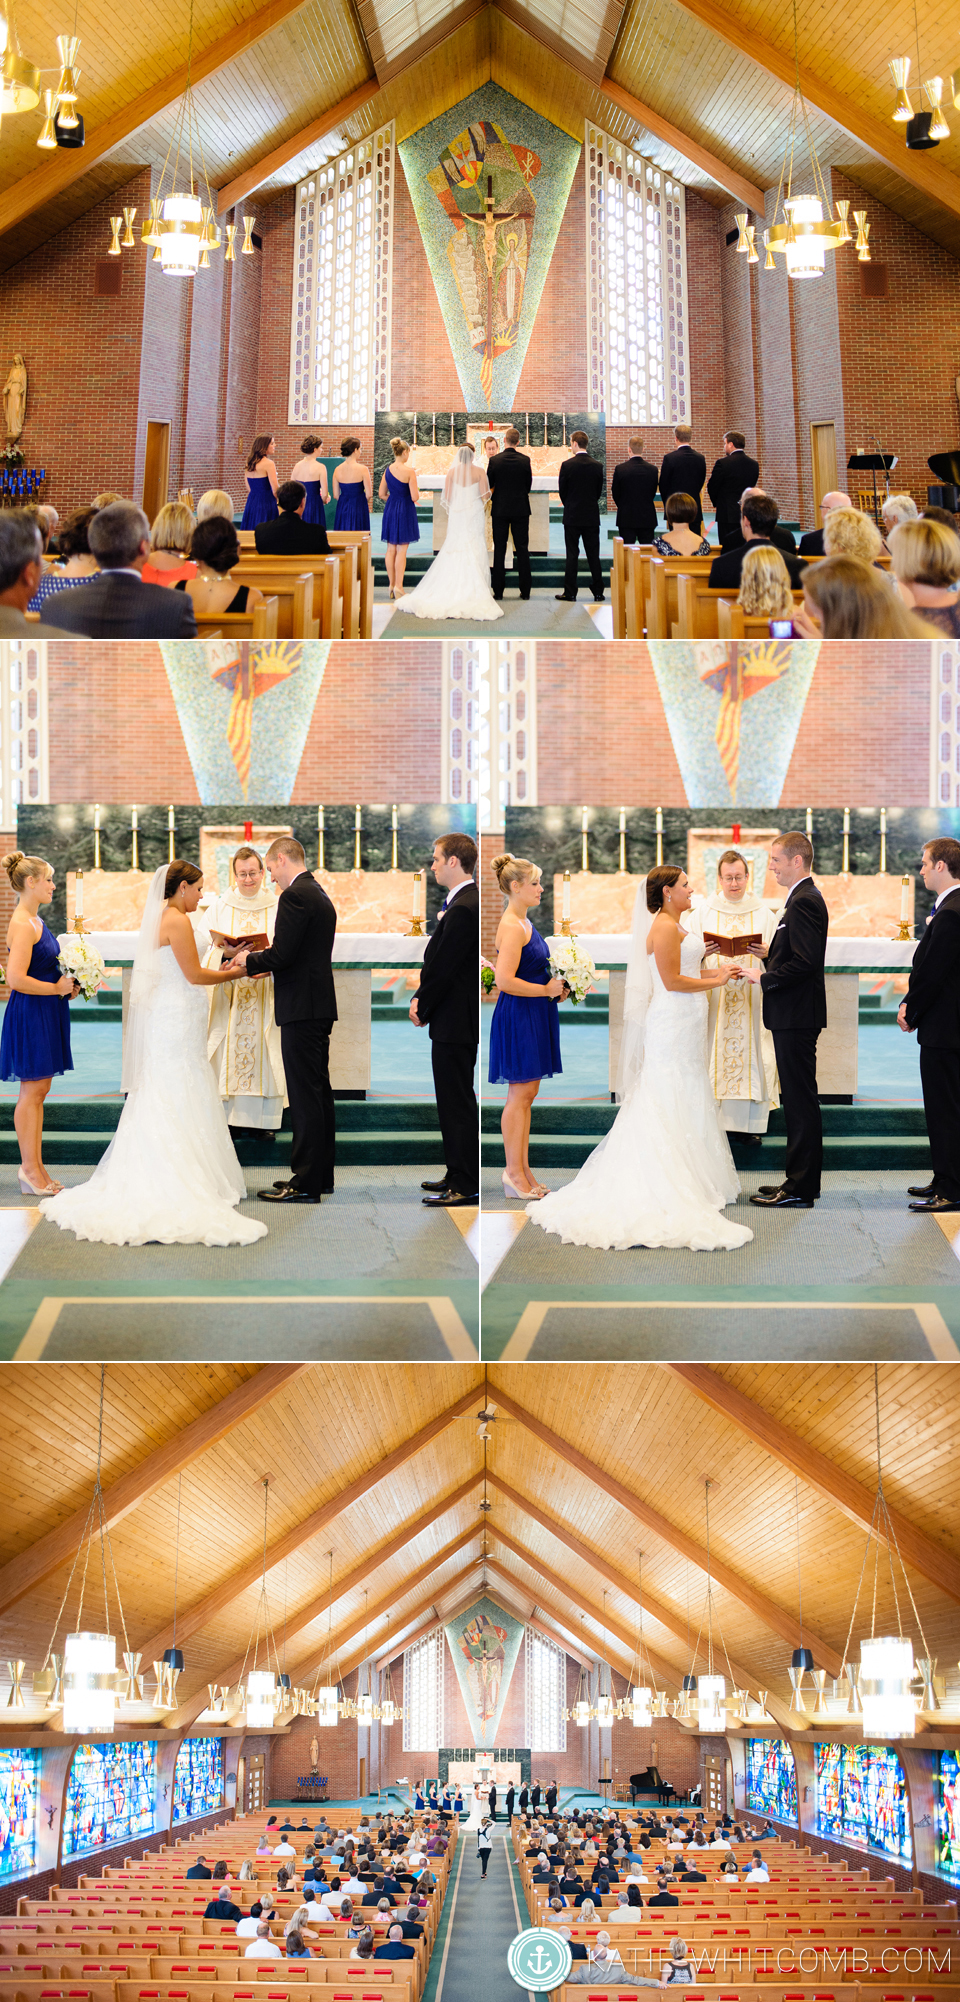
column 312, row 474
column 297, row 1948
column 214, row 549
column 846, row 599
column 353, row 492
column 925, row 559
column 765, row 591
column 364, row 1946
column 247, row 1873
column 170, row 539
column 681, row 537
column 679, row 1970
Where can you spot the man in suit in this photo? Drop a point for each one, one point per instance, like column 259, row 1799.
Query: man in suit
column 200, row 1869
column 305, row 1005
column 581, row 486
column 447, row 1003
column 289, row 534
column 118, row 605
column 693, row 1877
column 932, row 1007
column 634, row 492
column 811, row 544
column 524, row 1799
column 759, row 518
column 510, row 1799
column 552, row 1797
column 21, row 568
column 780, row 536
column 510, row 474
column 662, row 1896
column 795, row 1011
column 492, row 1803
column 684, row 472
column 731, row 474
column 536, row 1797
column 395, row 1947
column 408, row 1924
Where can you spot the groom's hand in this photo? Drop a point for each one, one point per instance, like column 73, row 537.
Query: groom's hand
column 902, row 1022
column 240, row 959
column 414, row 1017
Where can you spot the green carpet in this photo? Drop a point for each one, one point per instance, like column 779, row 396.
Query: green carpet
column 481, row 1924
column 538, row 618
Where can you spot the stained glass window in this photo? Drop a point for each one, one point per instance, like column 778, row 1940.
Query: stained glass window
column 19, row 1788
column 111, row 1795
column 546, row 1693
column 862, row 1798
column 198, row 1778
column 948, row 1814
column 638, row 361
column 423, row 1667
column 340, row 318
column 771, row 1778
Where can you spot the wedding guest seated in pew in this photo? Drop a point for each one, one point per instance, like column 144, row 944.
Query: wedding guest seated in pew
column 925, row 559
column 246, row 1874
column 262, row 1947
column 364, row 1946
column 117, row 604
column 845, row 599
column 262, row 1910
column 897, row 508
column 170, row 538
column 395, row 1947
column 604, row 1967
column 765, row 585
column 577, row 1948
column 848, row 532
column 682, row 535
column 77, row 564
column 759, row 517
column 663, row 1894
column 679, row 1970
column 297, row 1948
column 214, row 549
column 222, row 1908
column 199, row 1868
column 289, row 534
column 811, row 544
column 778, row 534
column 215, row 501
column 758, row 1872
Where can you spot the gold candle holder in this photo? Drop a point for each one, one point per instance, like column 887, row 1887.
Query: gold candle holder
column 659, row 833
column 171, row 835
column 416, row 922
column 565, row 924
column 134, row 839
column 320, row 834
column 394, row 828
column 357, row 830
column 78, row 924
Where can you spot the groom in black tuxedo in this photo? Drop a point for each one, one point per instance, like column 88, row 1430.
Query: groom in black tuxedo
column 447, row 1002
column 305, row 1004
column 932, row 1007
column 795, row 1011
column 581, row 484
column 510, row 474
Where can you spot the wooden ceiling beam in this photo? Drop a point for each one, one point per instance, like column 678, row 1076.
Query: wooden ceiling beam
column 192, row 1618
column 253, row 177
column 916, row 168
column 818, row 1472
column 24, row 1573
column 773, row 1616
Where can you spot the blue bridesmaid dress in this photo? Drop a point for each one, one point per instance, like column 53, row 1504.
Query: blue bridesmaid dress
column 35, row 1038
column 400, row 522
column 261, row 502
column 352, row 507
column 313, row 509
column 525, row 1034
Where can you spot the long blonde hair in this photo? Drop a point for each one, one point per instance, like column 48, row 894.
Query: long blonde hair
column 764, row 584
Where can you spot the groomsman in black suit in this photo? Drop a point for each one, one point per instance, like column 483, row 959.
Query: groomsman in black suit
column 932, row 1007
column 581, row 485
column 795, row 1011
column 684, row 472
column 305, row 1005
column 447, row 1002
column 510, row 474
column 730, row 476
column 633, row 490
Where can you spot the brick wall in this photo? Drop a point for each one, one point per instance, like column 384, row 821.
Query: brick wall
column 554, row 372
column 69, row 1873
column 115, row 731
column 601, row 728
column 865, row 730
column 423, row 371
column 736, row 301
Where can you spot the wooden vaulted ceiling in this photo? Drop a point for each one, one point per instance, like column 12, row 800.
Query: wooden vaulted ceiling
column 586, row 1467
column 702, row 85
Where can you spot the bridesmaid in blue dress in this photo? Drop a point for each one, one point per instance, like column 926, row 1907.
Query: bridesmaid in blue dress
column 312, row 475
column 35, row 1038
column 352, row 488
column 261, row 478
column 525, row 1033
column 399, row 489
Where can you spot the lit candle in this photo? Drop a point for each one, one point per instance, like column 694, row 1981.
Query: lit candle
column 659, row 832
column 170, row 819
column 320, row 834
column 566, row 894
column 904, row 899
column 584, row 823
column 883, row 841
column 809, row 823
column 96, row 837
column 394, row 824
column 133, row 836
column 356, row 836
column 78, row 896
column 416, row 893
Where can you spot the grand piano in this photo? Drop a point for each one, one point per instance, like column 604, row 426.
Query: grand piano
column 649, row 1781
column 946, row 465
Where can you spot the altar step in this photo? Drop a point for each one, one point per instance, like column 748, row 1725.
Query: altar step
column 370, row 1132
column 854, row 1137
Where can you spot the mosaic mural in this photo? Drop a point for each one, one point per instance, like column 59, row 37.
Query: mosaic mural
column 733, row 710
column 489, row 182
column 484, row 1642
column 245, row 709
column 19, row 1791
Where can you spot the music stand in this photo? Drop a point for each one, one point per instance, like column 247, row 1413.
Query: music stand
column 872, row 462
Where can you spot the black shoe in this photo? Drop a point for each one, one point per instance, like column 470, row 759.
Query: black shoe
column 930, row 1190
column 287, row 1195
column 936, row 1205
column 562, row 598
column 769, row 1188
column 450, row 1199
column 780, row 1200
column 436, row 1188
column 288, row 1184
column 498, row 597
column 525, row 597
column 746, row 1139
column 252, row 1133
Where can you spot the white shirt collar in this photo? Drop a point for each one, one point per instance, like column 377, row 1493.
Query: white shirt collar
column 450, row 894
column 945, row 893
column 122, row 570
column 796, row 886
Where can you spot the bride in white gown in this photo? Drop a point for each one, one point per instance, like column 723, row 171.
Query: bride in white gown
column 457, row 584
column 663, row 1174
column 170, row 1174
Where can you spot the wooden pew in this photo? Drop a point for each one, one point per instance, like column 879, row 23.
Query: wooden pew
column 291, row 583
column 260, row 624
column 662, row 593
column 356, row 579
column 733, row 623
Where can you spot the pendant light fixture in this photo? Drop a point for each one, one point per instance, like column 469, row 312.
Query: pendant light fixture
column 605, row 1710
column 389, row 1710
column 19, row 78
column 259, row 1684
column 364, row 1704
column 326, row 1694
column 882, row 1685
column 169, row 1668
column 581, row 1709
column 924, row 128
column 644, row 1701
column 801, row 1661
column 803, row 228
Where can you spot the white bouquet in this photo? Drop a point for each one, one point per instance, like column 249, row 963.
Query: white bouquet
column 78, row 957
column 574, row 966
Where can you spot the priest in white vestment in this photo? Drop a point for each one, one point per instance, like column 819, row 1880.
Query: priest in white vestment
column 743, row 1067
column 243, row 1041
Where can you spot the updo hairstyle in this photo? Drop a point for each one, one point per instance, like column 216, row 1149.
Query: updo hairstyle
column 660, row 879
column 510, row 869
column 399, row 447
column 22, row 869
column 180, row 872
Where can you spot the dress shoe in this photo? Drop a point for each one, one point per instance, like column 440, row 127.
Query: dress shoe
column 780, row 1200
column 930, row 1190
column 435, row 1188
column 769, row 1188
column 936, row 1206
column 562, row 598
column 287, row 1195
column 450, row 1199
column 296, row 1185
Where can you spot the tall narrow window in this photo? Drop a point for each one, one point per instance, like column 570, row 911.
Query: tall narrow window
column 24, row 745
column 636, row 287
column 508, row 732
column 546, row 1668
column 461, row 713
column 423, row 1666
column 340, row 318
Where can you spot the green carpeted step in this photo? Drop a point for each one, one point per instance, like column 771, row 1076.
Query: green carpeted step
column 379, row 1147
column 577, row 1018
column 879, row 1018
column 570, row 1150
column 841, row 1121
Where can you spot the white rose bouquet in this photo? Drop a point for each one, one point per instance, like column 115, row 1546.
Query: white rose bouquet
column 78, row 957
column 574, row 966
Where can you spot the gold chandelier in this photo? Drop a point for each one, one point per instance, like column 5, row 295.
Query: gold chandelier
column 803, row 227
column 924, row 129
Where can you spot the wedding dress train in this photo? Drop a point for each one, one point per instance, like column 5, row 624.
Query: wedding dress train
column 663, row 1174
column 457, row 584
column 170, row 1174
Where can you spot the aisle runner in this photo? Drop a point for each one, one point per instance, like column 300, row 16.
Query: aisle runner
column 483, row 1921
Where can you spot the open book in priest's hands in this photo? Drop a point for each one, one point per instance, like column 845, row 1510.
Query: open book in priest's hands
column 732, row 948
column 256, row 941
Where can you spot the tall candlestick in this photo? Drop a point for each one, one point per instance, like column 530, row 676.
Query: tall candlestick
column 171, row 834
column 133, row 837
column 809, row 823
column 659, row 830
column 356, row 837
column 904, row 899
column 96, row 837
column 883, row 841
column 566, row 893
column 78, row 902
column 584, row 823
column 623, row 841
column 320, row 834
column 416, row 928
column 394, row 824
column 846, row 841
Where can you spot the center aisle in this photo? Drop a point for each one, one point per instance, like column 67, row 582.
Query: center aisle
column 483, row 1920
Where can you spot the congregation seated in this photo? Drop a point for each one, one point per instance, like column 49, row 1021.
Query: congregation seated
column 944, row 515
column 215, row 501
column 49, row 522
column 897, row 508
column 759, row 517
column 682, row 536
column 76, row 566
column 848, row 532
column 395, row 1947
column 289, row 534
column 846, row 599
column 811, row 544
column 117, row 604
column 169, row 546
column 21, row 569
column 778, row 534
column 214, row 548
column 925, row 559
